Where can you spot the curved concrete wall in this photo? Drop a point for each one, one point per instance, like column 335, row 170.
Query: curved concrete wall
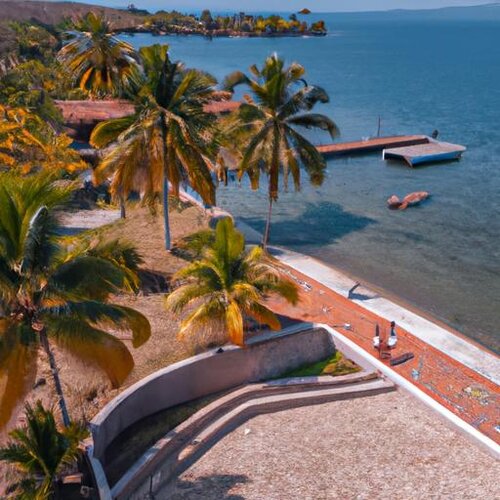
column 265, row 357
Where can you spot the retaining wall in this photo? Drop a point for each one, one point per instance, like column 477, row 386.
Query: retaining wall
column 208, row 373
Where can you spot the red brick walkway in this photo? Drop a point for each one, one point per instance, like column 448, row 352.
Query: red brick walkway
column 469, row 395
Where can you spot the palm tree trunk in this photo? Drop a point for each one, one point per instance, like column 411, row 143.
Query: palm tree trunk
column 55, row 375
column 123, row 211
column 267, row 231
column 166, row 221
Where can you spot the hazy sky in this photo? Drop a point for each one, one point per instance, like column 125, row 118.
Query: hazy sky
column 290, row 5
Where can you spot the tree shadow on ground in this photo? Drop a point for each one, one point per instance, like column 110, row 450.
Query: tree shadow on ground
column 215, row 487
column 320, row 224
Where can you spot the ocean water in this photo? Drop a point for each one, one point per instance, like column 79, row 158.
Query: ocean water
column 418, row 74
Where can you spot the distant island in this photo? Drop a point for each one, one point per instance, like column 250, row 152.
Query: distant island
column 240, row 24
column 134, row 20
column 304, row 11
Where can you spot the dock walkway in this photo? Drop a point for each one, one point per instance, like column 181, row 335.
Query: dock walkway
column 371, row 145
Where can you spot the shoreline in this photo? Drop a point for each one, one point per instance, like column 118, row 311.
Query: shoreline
column 254, row 237
column 290, row 259
column 236, row 34
column 406, row 304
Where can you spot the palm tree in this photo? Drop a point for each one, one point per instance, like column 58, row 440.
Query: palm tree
column 167, row 141
column 55, row 290
column 100, row 63
column 281, row 102
column 228, row 285
column 41, row 452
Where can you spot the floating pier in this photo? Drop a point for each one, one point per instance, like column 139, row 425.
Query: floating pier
column 433, row 151
column 371, row 145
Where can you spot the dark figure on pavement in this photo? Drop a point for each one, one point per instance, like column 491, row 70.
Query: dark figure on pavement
column 393, row 338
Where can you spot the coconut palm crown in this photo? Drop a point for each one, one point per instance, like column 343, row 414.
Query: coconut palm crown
column 56, row 291
column 228, row 285
column 40, row 452
column 101, row 64
column 168, row 141
column 281, row 102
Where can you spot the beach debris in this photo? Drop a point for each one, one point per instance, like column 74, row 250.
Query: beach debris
column 412, row 199
column 303, row 284
column 402, row 359
column 478, row 393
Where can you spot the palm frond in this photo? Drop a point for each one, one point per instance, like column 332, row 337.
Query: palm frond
column 93, row 346
column 18, row 357
column 88, row 277
column 315, row 121
column 38, row 245
column 233, row 80
column 105, row 315
column 108, row 131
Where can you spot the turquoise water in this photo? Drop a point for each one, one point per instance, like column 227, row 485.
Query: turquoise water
column 417, row 75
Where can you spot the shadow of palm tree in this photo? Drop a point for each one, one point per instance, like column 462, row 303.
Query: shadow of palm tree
column 215, row 487
column 320, row 224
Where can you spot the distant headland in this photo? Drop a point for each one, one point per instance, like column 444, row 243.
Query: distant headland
column 134, row 20
column 239, row 24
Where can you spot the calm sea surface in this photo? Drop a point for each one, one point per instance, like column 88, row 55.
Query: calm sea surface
column 443, row 256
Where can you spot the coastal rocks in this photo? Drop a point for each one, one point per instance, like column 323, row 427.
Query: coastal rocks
column 412, row 199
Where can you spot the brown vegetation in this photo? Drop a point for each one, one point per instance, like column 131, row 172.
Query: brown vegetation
column 55, row 12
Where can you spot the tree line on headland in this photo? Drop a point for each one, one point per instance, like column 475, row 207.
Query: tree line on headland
column 239, row 24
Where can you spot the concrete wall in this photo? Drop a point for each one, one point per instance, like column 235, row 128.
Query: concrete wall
column 211, row 372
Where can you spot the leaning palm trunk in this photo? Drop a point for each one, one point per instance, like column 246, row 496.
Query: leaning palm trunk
column 123, row 210
column 166, row 221
column 265, row 239
column 55, row 375
column 273, row 181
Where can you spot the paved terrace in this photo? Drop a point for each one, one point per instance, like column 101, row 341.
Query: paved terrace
column 386, row 446
column 458, row 374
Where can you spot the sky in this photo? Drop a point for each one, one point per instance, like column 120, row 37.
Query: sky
column 289, row 5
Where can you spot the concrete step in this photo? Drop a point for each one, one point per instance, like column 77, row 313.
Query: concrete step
column 276, row 402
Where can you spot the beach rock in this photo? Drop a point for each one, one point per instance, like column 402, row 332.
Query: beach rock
column 412, row 199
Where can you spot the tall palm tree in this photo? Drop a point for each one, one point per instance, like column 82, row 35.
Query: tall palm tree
column 41, row 452
column 281, row 103
column 54, row 290
column 167, row 141
column 228, row 285
column 100, row 63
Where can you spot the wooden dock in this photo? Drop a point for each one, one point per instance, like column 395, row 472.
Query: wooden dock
column 371, row 145
column 433, row 151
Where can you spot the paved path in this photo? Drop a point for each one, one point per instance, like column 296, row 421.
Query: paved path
column 479, row 360
column 82, row 220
